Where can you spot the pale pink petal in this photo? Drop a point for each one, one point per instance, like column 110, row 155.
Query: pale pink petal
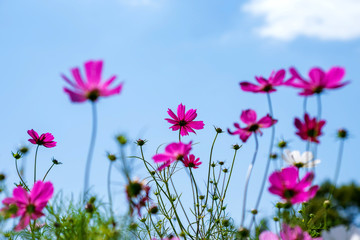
column 267, row 235
column 161, row 157
column 248, row 116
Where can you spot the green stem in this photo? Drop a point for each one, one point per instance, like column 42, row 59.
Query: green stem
column 35, row 162
column 109, row 190
column 91, row 150
column 48, row 171
column 23, row 182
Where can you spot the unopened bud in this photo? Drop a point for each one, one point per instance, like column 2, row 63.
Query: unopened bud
column 342, row 133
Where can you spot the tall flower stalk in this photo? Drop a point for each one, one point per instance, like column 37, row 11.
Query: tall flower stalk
column 268, row 160
column 91, row 150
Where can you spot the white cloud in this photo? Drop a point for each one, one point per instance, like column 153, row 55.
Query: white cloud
column 323, row 19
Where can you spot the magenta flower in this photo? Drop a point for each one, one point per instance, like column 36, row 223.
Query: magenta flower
column 265, row 85
column 92, row 88
column 138, row 195
column 29, row 205
column 184, row 121
column 319, row 80
column 249, row 117
column 310, row 129
column 173, row 152
column 295, row 233
column 191, row 162
column 287, row 233
column 46, row 139
column 285, row 184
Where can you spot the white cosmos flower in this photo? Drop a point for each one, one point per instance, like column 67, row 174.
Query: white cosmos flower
column 304, row 160
column 342, row 233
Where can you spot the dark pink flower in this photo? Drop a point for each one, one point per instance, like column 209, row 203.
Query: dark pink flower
column 184, row 121
column 173, row 152
column 191, row 162
column 319, row 80
column 265, row 85
column 46, row 139
column 29, row 205
column 253, row 126
column 310, row 129
column 91, row 88
column 295, row 233
column 285, row 184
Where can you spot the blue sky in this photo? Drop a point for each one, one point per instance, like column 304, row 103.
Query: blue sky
column 171, row 52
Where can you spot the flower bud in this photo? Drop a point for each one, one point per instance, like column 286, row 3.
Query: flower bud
column 56, row 162
column 225, row 170
column 140, row 142
column 16, row 155
column 273, row 156
column 244, row 233
column 225, row 222
column 121, row 139
column 2, row 177
column 201, row 197
column 153, row 210
column 282, row 144
column 327, row 204
column 218, row 130
column 342, row 133
column 236, row 147
column 276, row 219
column 111, row 157
column 221, row 163
column 254, row 211
column 24, row 150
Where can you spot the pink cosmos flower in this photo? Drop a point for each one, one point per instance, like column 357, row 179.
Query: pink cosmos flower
column 46, row 139
column 285, row 184
column 184, row 121
column 173, row 152
column 310, row 129
column 30, row 205
column 319, row 80
column 287, row 233
column 265, row 85
column 91, row 88
column 295, row 233
column 191, row 162
column 249, row 117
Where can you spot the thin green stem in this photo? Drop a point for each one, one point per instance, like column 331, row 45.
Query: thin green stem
column 17, row 170
column 338, row 166
column 109, row 189
column 48, row 171
column 304, row 104
column 91, row 150
column 248, row 175
column 37, row 148
column 208, row 180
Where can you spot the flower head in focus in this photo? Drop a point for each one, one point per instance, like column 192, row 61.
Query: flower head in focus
column 253, row 126
column 173, row 152
column 265, row 85
column 285, row 184
column 91, row 88
column 29, row 205
column 46, row 139
column 310, row 129
column 184, row 120
column 191, row 162
column 304, row 160
column 319, row 80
